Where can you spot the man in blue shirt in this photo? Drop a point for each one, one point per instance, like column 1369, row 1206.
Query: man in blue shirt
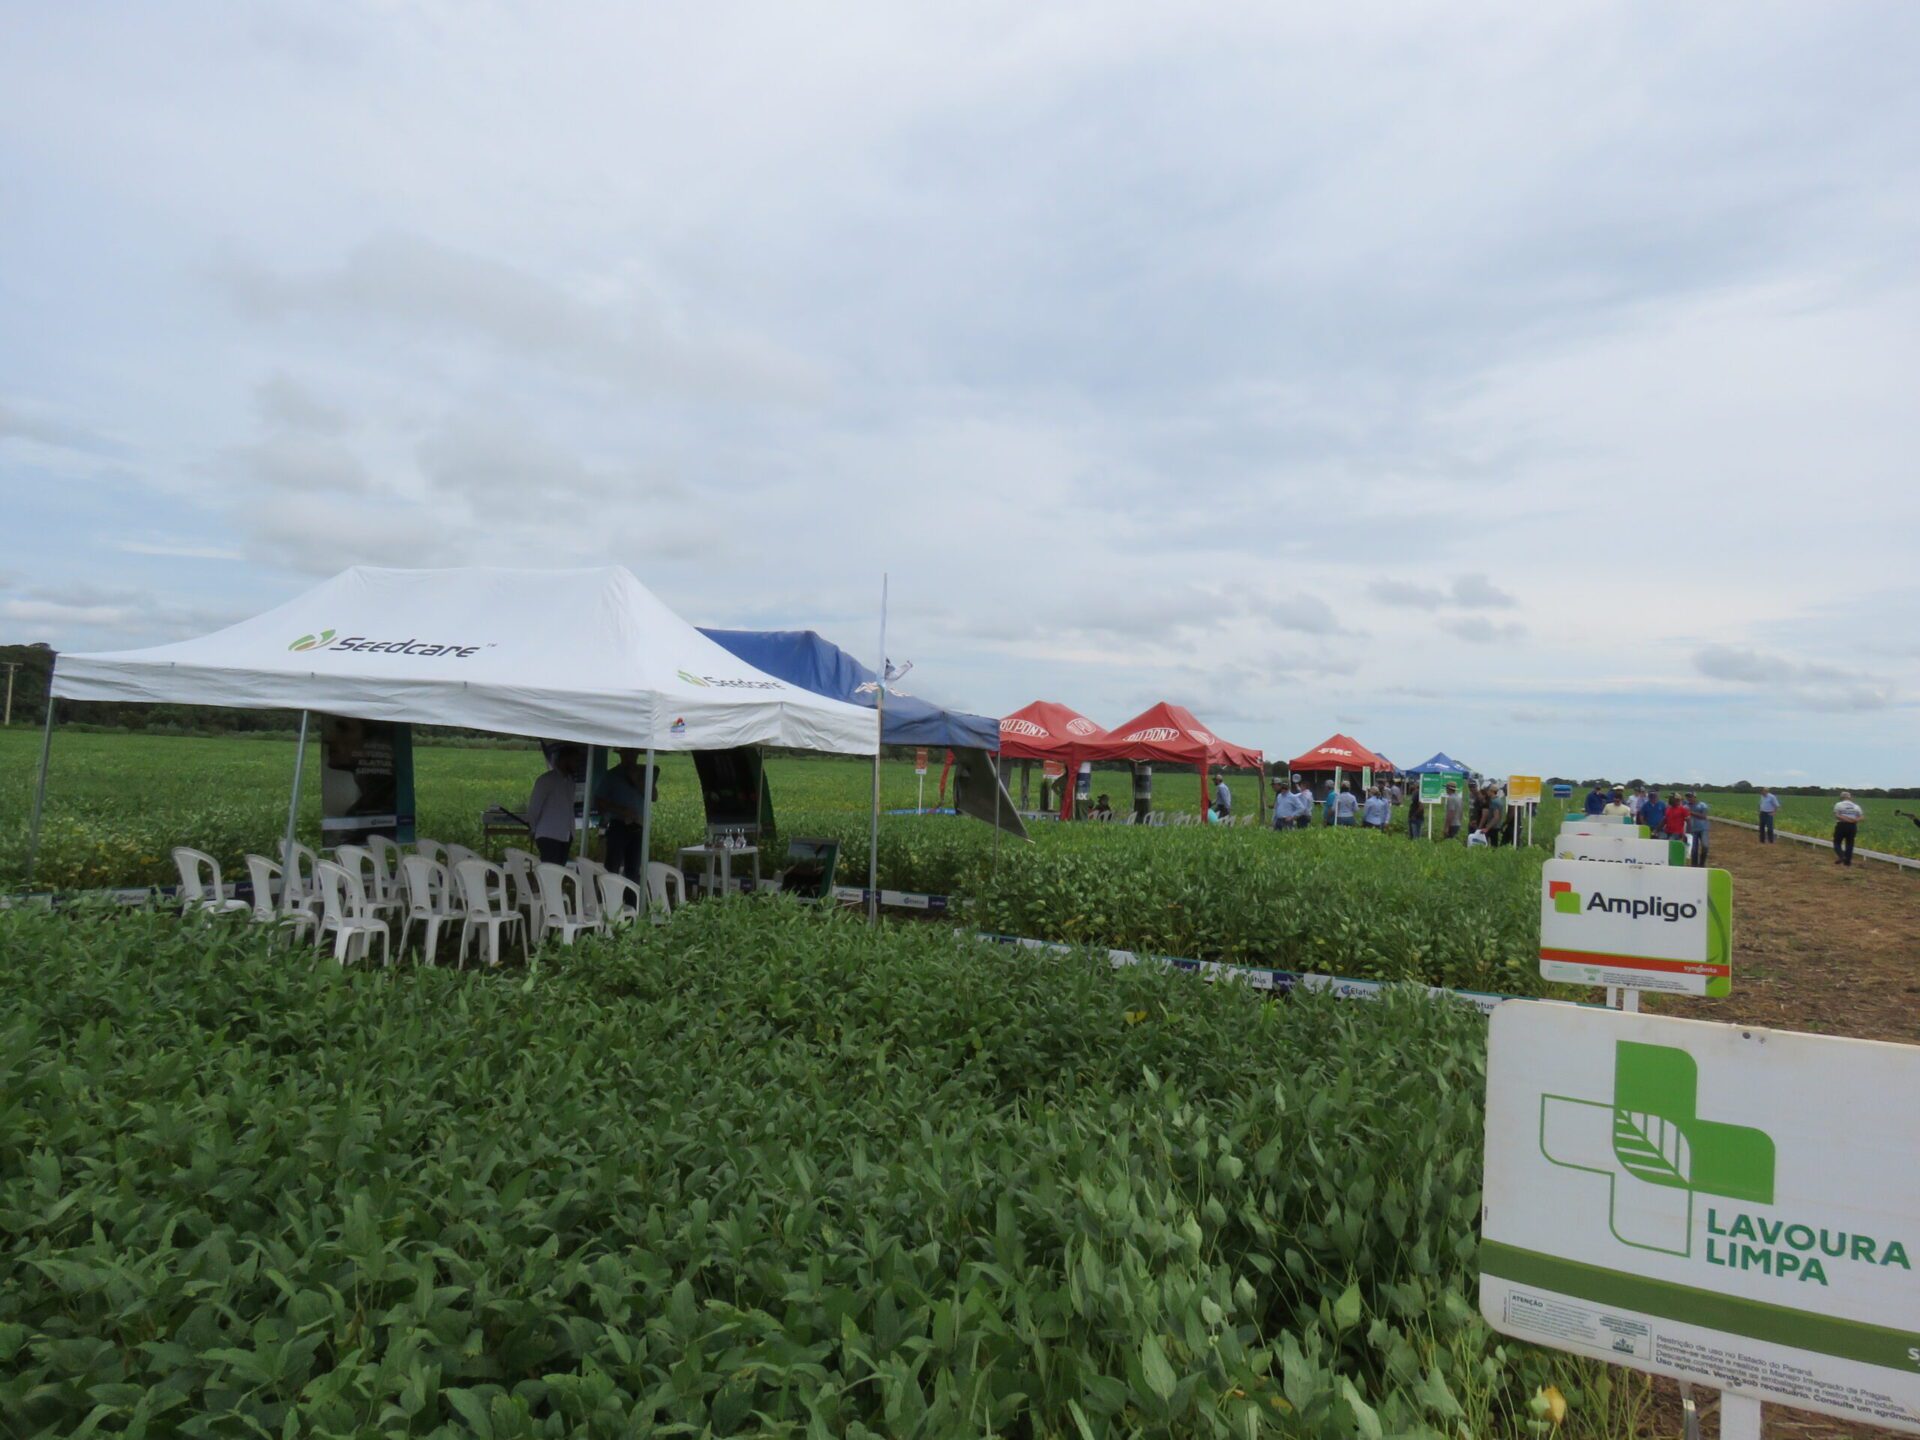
column 1769, row 807
column 1653, row 814
column 1596, row 799
column 1223, row 798
column 1345, row 805
column 1697, row 827
column 623, row 793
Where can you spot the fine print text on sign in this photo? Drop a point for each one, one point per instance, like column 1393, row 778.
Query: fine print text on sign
column 1641, row 927
column 1732, row 1207
column 1523, row 789
column 1624, row 849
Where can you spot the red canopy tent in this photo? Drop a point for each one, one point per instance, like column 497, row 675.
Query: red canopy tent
column 1046, row 730
column 1338, row 752
column 1169, row 735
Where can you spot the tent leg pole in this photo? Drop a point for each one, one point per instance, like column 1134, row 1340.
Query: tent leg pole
column 646, row 829
column 293, row 801
column 586, row 806
column 996, row 814
column 40, row 784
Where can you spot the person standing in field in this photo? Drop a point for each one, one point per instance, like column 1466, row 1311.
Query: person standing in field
column 1283, row 806
column 1677, row 815
column 1416, row 814
column 1373, row 815
column 1653, row 814
column 1697, row 827
column 1597, row 798
column 624, row 792
column 550, row 808
column 1846, row 827
column 1223, row 799
column 1769, row 807
column 1346, row 805
column 1614, row 806
column 1451, row 808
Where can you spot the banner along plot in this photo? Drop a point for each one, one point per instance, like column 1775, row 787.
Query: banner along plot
column 1640, row 927
column 1728, row 1206
column 1619, row 849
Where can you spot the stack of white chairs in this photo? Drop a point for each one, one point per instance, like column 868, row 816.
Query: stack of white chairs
column 455, row 854
column 200, row 885
column 430, row 904
column 387, row 856
column 520, row 867
column 486, row 908
column 346, row 914
column 269, row 899
column 562, row 897
column 431, row 849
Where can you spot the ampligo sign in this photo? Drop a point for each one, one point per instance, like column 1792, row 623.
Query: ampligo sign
column 1644, row 927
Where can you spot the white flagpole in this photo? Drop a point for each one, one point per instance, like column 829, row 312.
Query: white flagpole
column 291, row 872
column 879, row 733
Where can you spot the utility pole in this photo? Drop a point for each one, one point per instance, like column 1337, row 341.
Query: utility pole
column 12, row 665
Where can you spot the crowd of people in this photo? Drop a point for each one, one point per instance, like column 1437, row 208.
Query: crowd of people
column 1680, row 816
column 1477, row 812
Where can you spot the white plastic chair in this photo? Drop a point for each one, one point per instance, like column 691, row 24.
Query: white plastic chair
column 431, row 849
column 381, row 898
column 299, row 880
column 666, row 886
column 269, row 907
column 429, row 903
column 485, row 908
column 345, row 913
column 621, row 900
column 520, row 867
column 456, row 854
column 566, row 915
column 387, row 856
column 590, row 872
column 200, row 884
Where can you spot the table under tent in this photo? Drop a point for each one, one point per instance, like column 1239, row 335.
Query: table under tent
column 1049, row 732
column 1333, row 759
column 587, row 658
column 1168, row 734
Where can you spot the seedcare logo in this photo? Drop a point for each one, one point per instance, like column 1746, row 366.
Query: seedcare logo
column 711, row 682
column 324, row 640
column 1658, row 1157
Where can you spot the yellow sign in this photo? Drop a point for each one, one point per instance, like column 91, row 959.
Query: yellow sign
column 1523, row 789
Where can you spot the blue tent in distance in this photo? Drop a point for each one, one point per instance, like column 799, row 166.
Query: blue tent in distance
column 1441, row 764
column 806, row 659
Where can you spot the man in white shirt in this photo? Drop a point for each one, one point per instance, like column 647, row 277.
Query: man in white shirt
column 1846, row 828
column 550, row 808
column 1373, row 815
column 1769, row 807
column 1345, row 805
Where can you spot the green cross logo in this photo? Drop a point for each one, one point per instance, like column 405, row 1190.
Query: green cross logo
column 1654, row 1149
column 312, row 642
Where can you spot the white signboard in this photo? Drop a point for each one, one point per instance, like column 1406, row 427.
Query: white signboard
column 1595, row 822
column 1619, row 849
column 1641, row 927
column 1728, row 1206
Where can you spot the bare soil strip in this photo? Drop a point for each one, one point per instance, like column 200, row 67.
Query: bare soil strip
column 1816, row 947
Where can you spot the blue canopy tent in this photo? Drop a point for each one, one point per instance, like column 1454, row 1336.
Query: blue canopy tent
column 810, row 661
column 806, row 659
column 1441, row 764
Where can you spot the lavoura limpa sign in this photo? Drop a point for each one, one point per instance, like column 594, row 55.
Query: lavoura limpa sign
column 1644, row 927
column 1729, row 1206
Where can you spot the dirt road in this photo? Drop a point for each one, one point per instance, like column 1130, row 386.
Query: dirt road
column 1820, row 947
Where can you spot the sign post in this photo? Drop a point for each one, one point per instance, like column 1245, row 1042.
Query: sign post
column 1524, row 790
column 1720, row 1204
column 920, row 774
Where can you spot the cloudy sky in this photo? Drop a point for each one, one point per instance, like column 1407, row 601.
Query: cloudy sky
column 1533, row 382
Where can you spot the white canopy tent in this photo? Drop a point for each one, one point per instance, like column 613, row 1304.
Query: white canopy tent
column 589, row 656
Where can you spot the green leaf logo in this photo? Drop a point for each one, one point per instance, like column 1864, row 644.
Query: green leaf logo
column 312, row 642
column 1651, row 1148
column 693, row 680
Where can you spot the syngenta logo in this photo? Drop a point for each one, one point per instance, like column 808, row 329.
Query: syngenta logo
column 1569, row 901
column 325, row 640
column 709, row 682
